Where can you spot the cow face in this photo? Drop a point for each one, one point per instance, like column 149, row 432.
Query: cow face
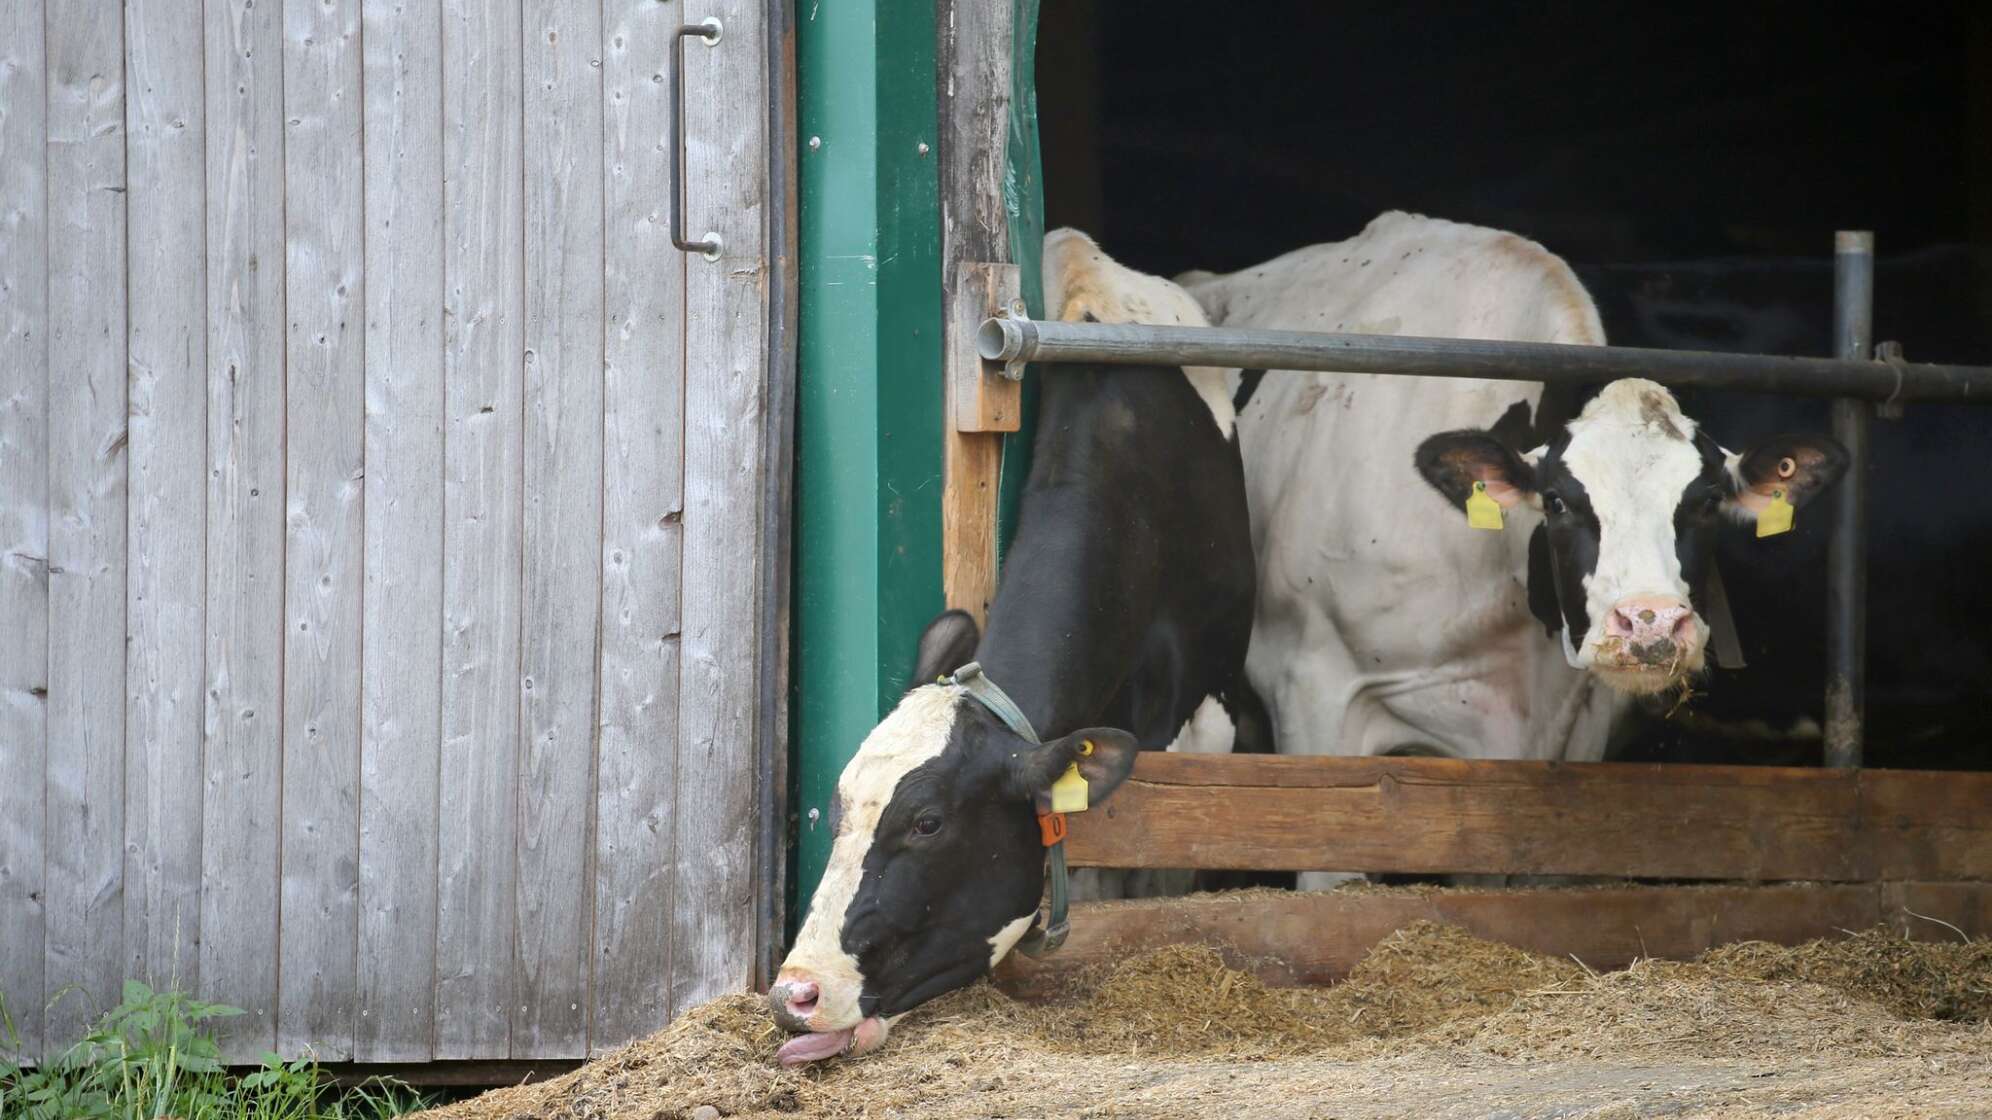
column 937, row 864
column 1631, row 494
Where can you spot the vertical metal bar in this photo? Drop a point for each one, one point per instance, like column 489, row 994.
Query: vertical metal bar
column 1846, row 552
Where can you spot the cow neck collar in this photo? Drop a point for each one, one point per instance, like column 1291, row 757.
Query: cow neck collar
column 1048, row 932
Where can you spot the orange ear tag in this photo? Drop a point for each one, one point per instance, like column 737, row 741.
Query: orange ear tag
column 1482, row 512
column 1777, row 517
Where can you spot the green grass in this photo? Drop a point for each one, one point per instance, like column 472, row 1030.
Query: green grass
column 154, row 1056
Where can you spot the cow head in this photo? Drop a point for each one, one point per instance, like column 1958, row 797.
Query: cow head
column 936, row 866
column 1631, row 494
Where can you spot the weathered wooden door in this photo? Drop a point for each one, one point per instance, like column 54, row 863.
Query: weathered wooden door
column 392, row 539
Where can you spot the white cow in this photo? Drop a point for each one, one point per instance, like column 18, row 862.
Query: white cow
column 1384, row 623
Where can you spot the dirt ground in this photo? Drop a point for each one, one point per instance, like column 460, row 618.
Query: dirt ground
column 1433, row 1023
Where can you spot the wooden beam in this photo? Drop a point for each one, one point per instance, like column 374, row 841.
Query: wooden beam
column 1424, row 815
column 973, row 45
column 1289, row 939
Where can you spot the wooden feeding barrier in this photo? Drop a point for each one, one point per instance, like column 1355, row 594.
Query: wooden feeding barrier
column 1723, row 853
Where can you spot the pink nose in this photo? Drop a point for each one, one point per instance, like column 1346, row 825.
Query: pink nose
column 1645, row 619
column 793, row 1001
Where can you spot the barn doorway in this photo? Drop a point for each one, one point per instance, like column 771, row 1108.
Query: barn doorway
column 1692, row 169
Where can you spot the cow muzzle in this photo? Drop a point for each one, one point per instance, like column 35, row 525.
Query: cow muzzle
column 793, row 1001
column 797, row 1000
column 1651, row 640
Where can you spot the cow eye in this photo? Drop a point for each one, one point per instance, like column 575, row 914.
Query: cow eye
column 927, row 825
column 1553, row 502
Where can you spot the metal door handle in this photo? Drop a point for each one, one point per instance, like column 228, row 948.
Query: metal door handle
column 710, row 31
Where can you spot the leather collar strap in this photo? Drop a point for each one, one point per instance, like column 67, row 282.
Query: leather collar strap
column 1050, row 929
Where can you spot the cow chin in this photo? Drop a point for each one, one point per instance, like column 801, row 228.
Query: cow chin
column 1648, row 670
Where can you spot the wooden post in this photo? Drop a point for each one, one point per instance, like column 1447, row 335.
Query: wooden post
column 973, row 65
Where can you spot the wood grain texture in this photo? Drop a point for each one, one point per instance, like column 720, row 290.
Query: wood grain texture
column 1290, row 939
column 981, row 399
column 401, row 599
column 563, row 524
column 24, row 386
column 971, row 466
column 973, row 57
column 483, row 314
column 325, row 386
column 86, row 512
column 243, row 757
column 643, row 430
column 166, row 562
column 1446, row 815
column 726, row 309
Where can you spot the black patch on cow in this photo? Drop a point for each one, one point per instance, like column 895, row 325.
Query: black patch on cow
column 1248, row 384
column 1572, row 534
column 1515, row 428
column 1542, row 582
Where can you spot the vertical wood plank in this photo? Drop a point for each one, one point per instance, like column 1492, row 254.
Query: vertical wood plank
column 24, row 387
column 644, row 292
column 483, row 171
column 973, row 55
column 86, row 517
column 245, row 530
column 726, row 317
column 402, row 596
column 563, row 523
column 167, row 561
column 324, row 360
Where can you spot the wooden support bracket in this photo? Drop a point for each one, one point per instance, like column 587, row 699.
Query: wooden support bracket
column 983, row 399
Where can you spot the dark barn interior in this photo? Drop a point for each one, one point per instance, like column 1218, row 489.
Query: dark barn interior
column 1692, row 163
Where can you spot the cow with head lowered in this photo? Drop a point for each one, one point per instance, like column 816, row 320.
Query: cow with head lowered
column 1385, row 625
column 1120, row 623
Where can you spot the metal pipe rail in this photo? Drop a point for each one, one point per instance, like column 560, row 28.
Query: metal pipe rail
column 1015, row 341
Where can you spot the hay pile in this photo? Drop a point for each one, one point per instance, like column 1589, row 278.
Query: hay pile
column 1431, row 1014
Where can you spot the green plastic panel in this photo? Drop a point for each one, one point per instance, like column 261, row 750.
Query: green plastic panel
column 869, row 398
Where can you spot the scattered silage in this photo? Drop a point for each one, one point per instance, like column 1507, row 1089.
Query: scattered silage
column 1177, row 1022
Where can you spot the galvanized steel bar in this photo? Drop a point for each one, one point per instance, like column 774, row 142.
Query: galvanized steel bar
column 1846, row 551
column 1849, row 376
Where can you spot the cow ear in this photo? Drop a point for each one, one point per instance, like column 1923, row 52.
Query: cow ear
column 946, row 644
column 1104, row 757
column 1797, row 466
column 1453, row 461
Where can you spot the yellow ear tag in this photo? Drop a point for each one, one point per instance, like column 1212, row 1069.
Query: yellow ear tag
column 1775, row 518
column 1068, row 793
column 1482, row 512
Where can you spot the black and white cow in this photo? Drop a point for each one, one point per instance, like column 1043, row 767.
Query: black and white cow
column 1121, row 621
column 1384, row 623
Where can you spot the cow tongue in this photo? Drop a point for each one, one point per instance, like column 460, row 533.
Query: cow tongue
column 813, row 1047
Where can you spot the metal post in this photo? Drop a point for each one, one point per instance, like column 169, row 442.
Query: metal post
column 1846, row 552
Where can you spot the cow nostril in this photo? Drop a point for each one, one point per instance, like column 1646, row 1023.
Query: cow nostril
column 1684, row 627
column 801, row 999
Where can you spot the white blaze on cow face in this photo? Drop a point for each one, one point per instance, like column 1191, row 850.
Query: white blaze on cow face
column 1634, row 456
column 916, row 732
